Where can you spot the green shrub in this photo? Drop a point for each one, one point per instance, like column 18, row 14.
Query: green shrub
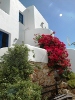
column 71, row 83
column 68, row 75
column 15, row 63
column 71, row 75
column 23, row 90
column 65, row 74
column 15, row 83
column 70, row 78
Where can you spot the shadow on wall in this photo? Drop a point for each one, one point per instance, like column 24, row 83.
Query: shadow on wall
column 71, row 53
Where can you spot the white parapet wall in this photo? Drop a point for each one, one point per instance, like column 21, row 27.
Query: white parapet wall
column 40, row 54
column 71, row 53
column 3, row 51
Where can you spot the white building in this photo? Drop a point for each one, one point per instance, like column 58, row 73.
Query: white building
column 19, row 22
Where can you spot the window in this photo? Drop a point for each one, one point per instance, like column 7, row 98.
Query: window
column 3, row 39
column 20, row 18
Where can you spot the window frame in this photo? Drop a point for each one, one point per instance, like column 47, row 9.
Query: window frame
column 20, row 17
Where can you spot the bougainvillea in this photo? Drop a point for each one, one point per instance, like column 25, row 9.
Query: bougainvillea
column 57, row 53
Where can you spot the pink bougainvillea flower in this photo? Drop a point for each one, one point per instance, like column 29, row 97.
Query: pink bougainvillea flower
column 57, row 53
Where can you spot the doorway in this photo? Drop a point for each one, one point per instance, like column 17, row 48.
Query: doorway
column 3, row 39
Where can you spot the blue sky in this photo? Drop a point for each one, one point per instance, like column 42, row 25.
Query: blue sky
column 64, row 25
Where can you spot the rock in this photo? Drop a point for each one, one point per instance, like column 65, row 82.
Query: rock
column 73, row 91
column 65, row 91
column 41, row 75
column 63, row 85
column 45, row 70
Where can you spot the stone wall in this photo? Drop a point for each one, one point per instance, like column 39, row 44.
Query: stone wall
column 43, row 77
column 41, row 74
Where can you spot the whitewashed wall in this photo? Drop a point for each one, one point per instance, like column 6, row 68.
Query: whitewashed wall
column 29, row 17
column 5, row 5
column 71, row 53
column 9, row 23
column 29, row 35
column 32, row 21
column 3, row 50
column 21, row 7
column 41, row 55
column 21, row 32
column 39, row 19
column 33, row 18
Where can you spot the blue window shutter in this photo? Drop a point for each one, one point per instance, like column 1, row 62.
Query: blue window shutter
column 1, row 39
column 20, row 18
column 7, row 37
